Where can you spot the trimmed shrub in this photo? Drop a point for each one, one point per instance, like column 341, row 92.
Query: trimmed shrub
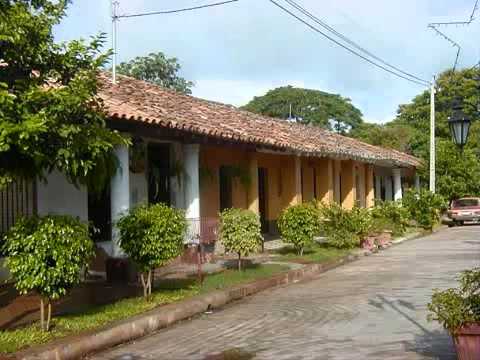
column 46, row 255
column 424, row 207
column 152, row 235
column 344, row 228
column 298, row 225
column 240, row 232
column 390, row 215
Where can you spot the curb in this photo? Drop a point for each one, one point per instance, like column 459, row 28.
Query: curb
column 77, row 346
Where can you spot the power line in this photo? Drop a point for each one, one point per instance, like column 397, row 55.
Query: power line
column 315, row 29
column 177, row 10
column 349, row 41
column 455, row 44
column 468, row 22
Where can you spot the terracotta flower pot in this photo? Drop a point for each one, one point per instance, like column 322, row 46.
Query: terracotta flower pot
column 368, row 243
column 467, row 342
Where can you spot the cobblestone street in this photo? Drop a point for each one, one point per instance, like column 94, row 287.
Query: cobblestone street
column 374, row 308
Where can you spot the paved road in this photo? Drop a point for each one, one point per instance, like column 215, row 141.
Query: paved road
column 374, row 308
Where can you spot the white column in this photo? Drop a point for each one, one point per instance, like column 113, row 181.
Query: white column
column 417, row 182
column 192, row 181
column 119, row 195
column 378, row 187
column 388, row 188
column 397, row 184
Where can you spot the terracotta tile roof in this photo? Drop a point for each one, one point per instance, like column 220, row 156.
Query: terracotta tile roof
column 137, row 100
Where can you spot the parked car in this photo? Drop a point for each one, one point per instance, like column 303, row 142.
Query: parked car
column 464, row 210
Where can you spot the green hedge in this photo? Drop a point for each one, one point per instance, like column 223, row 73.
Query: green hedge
column 152, row 235
column 298, row 225
column 240, row 232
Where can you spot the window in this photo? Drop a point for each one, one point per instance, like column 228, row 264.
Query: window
column 17, row 199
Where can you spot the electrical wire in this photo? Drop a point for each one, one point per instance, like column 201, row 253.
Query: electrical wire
column 177, row 10
column 349, row 41
column 315, row 29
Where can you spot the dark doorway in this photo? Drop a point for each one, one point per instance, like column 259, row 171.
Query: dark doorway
column 100, row 216
column 225, row 180
column 262, row 198
column 159, row 173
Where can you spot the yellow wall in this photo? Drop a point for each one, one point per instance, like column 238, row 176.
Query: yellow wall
column 348, row 188
column 285, row 185
column 212, row 158
column 281, row 182
column 369, row 186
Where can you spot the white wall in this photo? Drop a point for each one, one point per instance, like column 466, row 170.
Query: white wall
column 58, row 196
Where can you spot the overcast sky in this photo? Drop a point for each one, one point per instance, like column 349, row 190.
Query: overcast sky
column 241, row 50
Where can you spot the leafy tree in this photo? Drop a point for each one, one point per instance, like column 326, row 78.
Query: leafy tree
column 50, row 117
column 157, row 69
column 298, row 225
column 152, row 236
column 424, row 207
column 457, row 173
column 308, row 107
column 392, row 136
column 47, row 255
column 240, row 232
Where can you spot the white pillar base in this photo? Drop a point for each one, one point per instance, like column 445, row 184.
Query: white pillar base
column 119, row 196
column 397, row 184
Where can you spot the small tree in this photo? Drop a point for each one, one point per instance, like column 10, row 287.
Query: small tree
column 47, row 255
column 151, row 236
column 424, row 207
column 298, row 225
column 240, row 232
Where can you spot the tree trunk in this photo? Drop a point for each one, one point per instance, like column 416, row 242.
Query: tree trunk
column 42, row 314
column 301, row 251
column 49, row 315
column 239, row 262
column 144, row 284
column 149, row 283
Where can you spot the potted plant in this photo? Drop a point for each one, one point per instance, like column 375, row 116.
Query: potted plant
column 458, row 310
column 381, row 230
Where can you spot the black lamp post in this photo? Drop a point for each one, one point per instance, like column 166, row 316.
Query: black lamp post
column 459, row 124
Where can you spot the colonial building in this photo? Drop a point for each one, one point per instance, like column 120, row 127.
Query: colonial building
column 204, row 156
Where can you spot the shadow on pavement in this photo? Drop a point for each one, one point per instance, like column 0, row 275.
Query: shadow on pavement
column 435, row 345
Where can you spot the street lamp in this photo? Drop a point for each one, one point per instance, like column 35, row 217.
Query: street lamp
column 459, row 124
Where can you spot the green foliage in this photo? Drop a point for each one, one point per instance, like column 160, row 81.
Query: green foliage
column 298, row 225
column 424, row 207
column 457, row 173
column 390, row 215
column 391, row 135
column 240, row 232
column 46, row 254
column 152, row 235
column 95, row 317
column 157, row 69
column 316, row 253
column 344, row 229
column 50, row 117
column 456, row 307
column 314, row 107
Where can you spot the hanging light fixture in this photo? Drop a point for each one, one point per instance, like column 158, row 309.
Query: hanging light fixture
column 459, row 124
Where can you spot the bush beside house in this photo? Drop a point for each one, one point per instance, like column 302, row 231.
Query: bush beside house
column 298, row 225
column 46, row 255
column 424, row 207
column 152, row 236
column 240, row 232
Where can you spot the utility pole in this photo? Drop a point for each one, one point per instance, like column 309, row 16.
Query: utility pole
column 432, row 136
column 114, row 40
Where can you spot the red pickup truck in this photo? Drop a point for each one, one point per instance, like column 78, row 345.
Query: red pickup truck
column 464, row 210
